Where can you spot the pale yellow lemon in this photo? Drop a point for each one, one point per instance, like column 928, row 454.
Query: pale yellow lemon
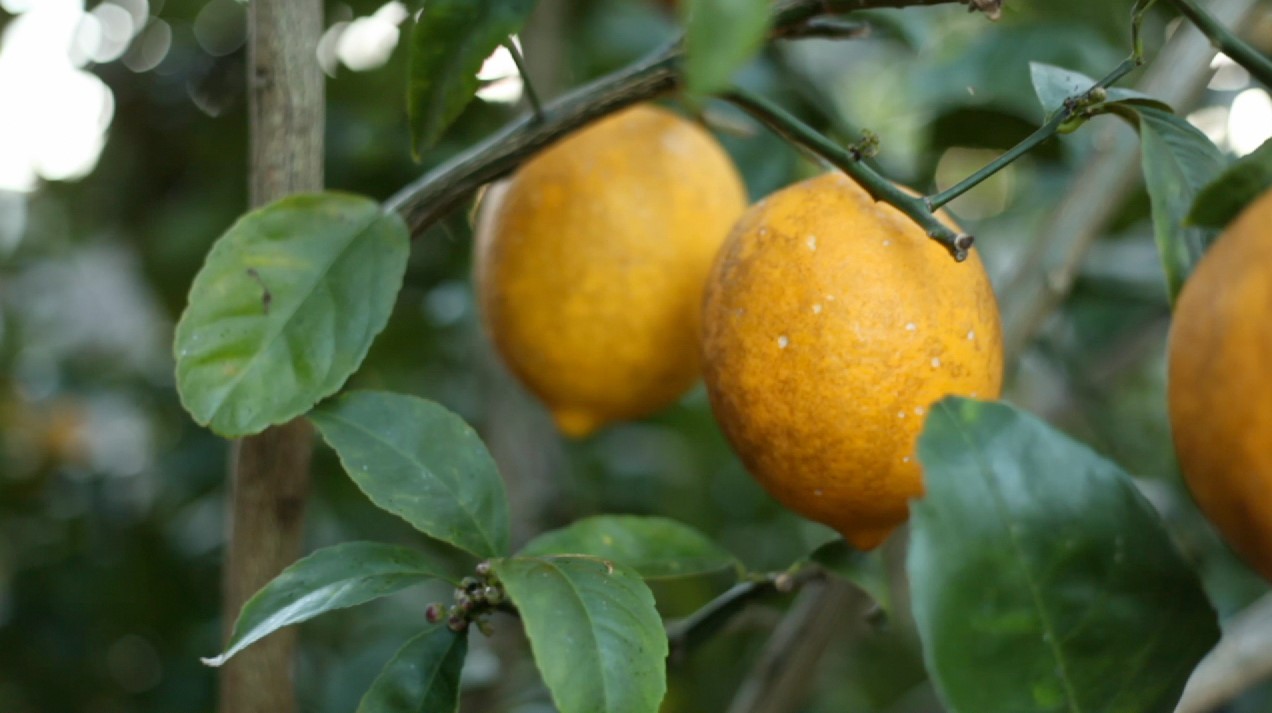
column 591, row 262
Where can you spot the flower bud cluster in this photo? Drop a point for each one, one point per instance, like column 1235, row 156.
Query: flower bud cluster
column 475, row 599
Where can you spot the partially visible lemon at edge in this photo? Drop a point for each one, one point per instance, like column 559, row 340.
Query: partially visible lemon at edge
column 1219, row 384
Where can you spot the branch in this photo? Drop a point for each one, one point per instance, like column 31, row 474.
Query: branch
column 684, row 635
column 1241, row 659
column 426, row 200
column 1072, row 107
column 781, row 680
column 1240, row 52
column 793, row 12
column 879, row 188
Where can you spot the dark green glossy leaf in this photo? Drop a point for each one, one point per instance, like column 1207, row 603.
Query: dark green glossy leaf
column 417, row 460
column 332, row 578
column 285, row 309
column 594, row 632
column 1178, row 161
column 720, row 37
column 1055, row 84
column 655, row 547
column 1042, row 581
column 1224, row 198
column 449, row 42
column 864, row 569
column 422, row 677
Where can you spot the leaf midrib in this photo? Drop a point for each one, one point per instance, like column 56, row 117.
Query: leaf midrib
column 268, row 343
column 1035, row 593
column 440, row 662
column 327, row 593
column 591, row 628
column 450, row 489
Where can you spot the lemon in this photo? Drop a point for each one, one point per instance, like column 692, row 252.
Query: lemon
column 831, row 324
column 591, row 263
column 1220, row 390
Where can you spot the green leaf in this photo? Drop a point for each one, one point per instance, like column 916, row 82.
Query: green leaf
column 417, row 460
column 1224, row 198
column 1178, row 161
column 594, row 632
column 449, row 42
column 285, row 309
column 1054, row 85
column 1042, row 581
column 864, row 569
column 656, row 547
column 333, row 578
column 422, row 677
column 720, row 37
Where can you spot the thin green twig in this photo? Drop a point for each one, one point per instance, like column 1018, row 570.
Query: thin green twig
column 531, row 94
column 1225, row 41
column 1084, row 102
column 1069, row 110
column 792, row 129
column 684, row 635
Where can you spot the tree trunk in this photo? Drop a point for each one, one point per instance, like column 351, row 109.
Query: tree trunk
column 270, row 472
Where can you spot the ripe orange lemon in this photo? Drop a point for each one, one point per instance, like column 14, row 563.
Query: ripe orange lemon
column 591, row 262
column 1220, row 387
column 831, row 324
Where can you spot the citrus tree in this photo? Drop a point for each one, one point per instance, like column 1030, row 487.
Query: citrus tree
column 852, row 347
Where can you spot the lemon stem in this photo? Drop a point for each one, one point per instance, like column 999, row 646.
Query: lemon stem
column 797, row 132
column 1225, row 41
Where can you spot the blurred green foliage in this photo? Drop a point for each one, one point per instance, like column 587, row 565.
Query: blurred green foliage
column 112, row 500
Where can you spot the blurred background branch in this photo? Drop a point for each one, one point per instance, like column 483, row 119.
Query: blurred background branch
column 1045, row 273
column 1241, row 660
